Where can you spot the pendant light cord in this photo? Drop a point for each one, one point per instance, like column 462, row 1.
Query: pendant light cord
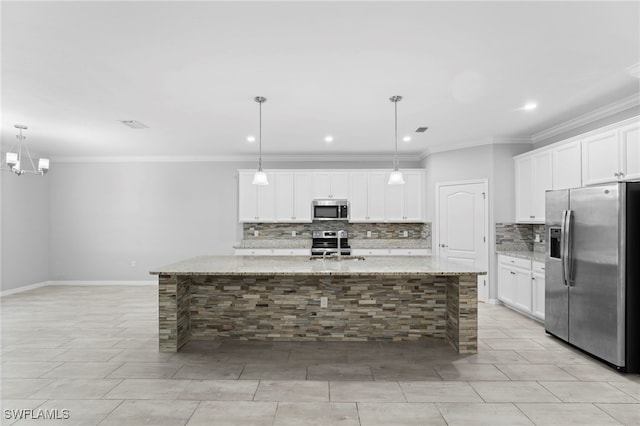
column 395, row 160
column 260, row 138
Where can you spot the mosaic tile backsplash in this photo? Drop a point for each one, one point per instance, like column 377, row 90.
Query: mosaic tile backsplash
column 416, row 232
column 519, row 237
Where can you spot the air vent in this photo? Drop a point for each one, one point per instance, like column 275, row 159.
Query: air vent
column 421, row 129
column 134, row 124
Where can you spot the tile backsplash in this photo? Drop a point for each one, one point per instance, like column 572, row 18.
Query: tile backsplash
column 519, row 237
column 283, row 231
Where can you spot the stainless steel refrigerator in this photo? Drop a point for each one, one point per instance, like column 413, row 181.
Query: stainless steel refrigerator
column 592, row 271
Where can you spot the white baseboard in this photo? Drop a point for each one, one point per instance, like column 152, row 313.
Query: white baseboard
column 78, row 282
column 491, row 301
column 24, row 288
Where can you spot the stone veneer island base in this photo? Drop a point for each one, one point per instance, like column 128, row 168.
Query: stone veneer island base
column 278, row 298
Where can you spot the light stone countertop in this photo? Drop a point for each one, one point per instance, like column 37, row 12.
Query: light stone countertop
column 303, row 265
column 529, row 255
column 355, row 243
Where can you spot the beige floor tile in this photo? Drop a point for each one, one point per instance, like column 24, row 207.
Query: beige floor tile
column 513, row 392
column 587, row 392
column 468, row 372
column 460, row 414
column 339, row 372
column 535, row 372
column 630, row 387
column 209, row 371
column 365, row 392
column 394, row 413
column 578, row 414
column 27, row 370
column 76, row 389
column 82, row 370
column 87, row 355
column 496, row 357
column 147, row 389
column 593, row 372
column 157, row 413
column 220, row 390
column 293, row 390
column 33, row 354
column 145, row 370
column 316, row 414
column 273, row 372
column 234, row 413
column 555, row 357
column 439, row 392
column 404, row 372
column 626, row 414
column 22, row 388
column 513, row 344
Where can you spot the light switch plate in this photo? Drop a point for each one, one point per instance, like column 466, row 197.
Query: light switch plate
column 368, row 234
column 324, row 302
column 256, row 233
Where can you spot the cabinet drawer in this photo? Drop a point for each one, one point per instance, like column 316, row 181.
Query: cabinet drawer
column 538, row 267
column 515, row 261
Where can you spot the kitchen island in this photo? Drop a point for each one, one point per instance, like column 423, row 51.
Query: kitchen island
column 299, row 299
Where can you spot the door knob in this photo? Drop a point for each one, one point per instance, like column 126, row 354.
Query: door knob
column 443, row 245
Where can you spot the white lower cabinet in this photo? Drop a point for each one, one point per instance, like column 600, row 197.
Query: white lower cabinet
column 391, row 252
column 537, row 287
column 521, row 285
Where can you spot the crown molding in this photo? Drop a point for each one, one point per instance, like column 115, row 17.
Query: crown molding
column 584, row 119
column 470, row 144
column 235, row 158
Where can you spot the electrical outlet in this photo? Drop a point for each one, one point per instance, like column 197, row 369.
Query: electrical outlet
column 294, row 233
column 537, row 238
column 368, row 234
column 324, row 302
column 405, row 233
column 256, row 233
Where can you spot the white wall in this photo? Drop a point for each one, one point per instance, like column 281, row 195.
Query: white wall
column 106, row 215
column 24, row 231
column 491, row 162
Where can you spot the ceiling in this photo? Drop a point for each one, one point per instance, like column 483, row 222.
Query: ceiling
column 71, row 71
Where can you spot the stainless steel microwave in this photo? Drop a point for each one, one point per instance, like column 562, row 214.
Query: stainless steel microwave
column 330, row 210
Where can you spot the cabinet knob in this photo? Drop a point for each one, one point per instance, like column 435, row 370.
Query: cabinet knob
column 616, row 174
column 532, row 217
column 512, row 273
column 293, row 217
column 444, row 245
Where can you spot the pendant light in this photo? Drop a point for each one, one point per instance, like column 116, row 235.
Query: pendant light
column 396, row 178
column 260, row 177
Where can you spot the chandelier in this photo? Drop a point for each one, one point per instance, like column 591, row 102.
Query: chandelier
column 15, row 160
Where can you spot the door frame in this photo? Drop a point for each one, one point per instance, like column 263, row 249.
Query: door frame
column 436, row 231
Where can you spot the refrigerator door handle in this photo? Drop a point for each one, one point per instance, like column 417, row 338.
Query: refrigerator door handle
column 566, row 245
column 563, row 246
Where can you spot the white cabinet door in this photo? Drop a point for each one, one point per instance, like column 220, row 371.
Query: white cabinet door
column 523, row 288
column 567, row 166
column 302, row 197
column 375, row 196
column 394, row 202
column 283, row 182
column 600, row 158
column 247, row 198
column 413, row 196
column 339, row 185
column 330, row 185
column 506, row 284
column 630, row 141
column 524, row 188
column 537, row 284
column 541, row 182
column 267, row 200
column 359, row 187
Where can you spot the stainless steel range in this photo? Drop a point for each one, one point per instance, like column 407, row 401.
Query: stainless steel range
column 330, row 242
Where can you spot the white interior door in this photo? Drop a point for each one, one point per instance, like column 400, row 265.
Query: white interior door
column 462, row 227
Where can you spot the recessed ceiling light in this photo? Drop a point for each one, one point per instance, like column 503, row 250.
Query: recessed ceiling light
column 328, row 139
column 530, row 106
column 406, row 138
column 251, row 138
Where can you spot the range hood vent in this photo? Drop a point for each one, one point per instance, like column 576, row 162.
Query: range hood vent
column 421, row 129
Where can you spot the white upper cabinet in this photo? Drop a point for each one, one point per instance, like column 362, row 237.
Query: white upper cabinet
column 257, row 203
column 289, row 195
column 533, row 178
column 293, row 196
column 403, row 203
column 601, row 158
column 567, row 166
column 366, row 197
column 630, row 146
column 330, row 185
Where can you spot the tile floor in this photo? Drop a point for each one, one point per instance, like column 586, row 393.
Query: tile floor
column 93, row 352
